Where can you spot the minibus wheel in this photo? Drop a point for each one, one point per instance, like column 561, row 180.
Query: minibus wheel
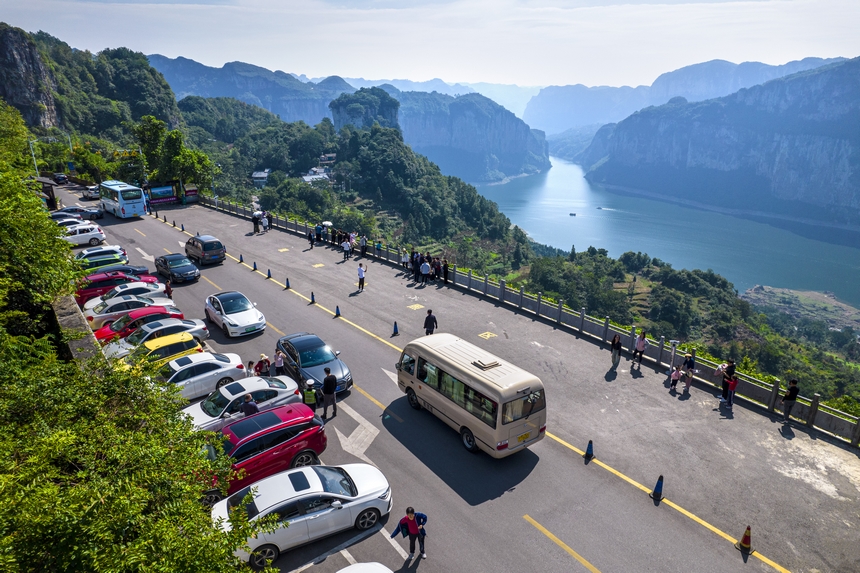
column 468, row 439
column 413, row 399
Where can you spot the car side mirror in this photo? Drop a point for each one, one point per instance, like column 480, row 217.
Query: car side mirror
column 225, row 415
column 337, row 352
column 336, row 504
column 397, row 366
column 255, row 304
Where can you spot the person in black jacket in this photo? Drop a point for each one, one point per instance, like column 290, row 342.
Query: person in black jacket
column 329, row 386
column 430, row 323
column 789, row 400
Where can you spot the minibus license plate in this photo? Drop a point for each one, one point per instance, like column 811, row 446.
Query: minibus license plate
column 523, row 437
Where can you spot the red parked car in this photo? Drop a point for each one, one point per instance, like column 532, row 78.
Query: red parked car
column 125, row 325
column 99, row 283
column 273, row 441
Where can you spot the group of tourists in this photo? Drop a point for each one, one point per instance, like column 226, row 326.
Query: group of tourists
column 424, row 267
column 261, row 219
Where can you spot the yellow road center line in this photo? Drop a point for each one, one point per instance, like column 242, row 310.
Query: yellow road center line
column 669, row 503
column 232, row 257
column 210, row 282
column 166, row 250
column 272, row 326
column 378, row 403
column 187, row 233
column 562, row 544
column 141, row 232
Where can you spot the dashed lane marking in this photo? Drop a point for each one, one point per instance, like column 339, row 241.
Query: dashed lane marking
column 273, row 327
column 562, row 544
column 415, row 306
column 394, row 544
column 141, row 232
column 318, row 265
column 166, row 250
column 348, row 556
column 284, row 250
column 349, row 543
column 210, row 282
column 378, row 403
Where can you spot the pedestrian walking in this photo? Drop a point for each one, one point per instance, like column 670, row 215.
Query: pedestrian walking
column 310, row 238
column 329, row 386
column 363, row 244
column 639, row 347
column 689, row 367
column 728, row 372
column 733, row 384
column 249, row 371
column 789, row 400
column 360, row 277
column 430, row 323
column 168, row 290
column 615, row 346
column 264, row 221
column 676, row 375
column 412, row 526
column 255, row 219
column 279, row 363
column 345, row 246
column 249, row 406
column 261, row 368
column 425, row 271
column 445, row 270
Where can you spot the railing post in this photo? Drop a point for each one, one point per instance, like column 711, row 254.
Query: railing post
column 469, row 281
column 774, row 394
column 855, row 439
column 540, row 296
column 660, row 356
column 520, row 305
column 693, row 354
column 560, row 304
column 454, row 275
column 813, row 410
column 606, row 329
column 502, row 290
column 582, row 320
column 632, row 338
column 486, row 282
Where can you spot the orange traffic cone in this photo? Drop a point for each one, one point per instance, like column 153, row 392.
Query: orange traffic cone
column 744, row 544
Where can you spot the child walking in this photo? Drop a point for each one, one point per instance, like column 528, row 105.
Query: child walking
column 676, row 375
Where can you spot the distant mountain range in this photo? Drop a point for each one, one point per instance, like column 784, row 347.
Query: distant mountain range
column 788, row 148
column 559, row 108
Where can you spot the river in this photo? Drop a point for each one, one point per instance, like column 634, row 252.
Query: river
column 745, row 252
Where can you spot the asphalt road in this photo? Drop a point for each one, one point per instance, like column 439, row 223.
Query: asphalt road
column 543, row 508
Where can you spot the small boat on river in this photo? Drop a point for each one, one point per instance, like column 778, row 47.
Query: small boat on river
column 573, row 214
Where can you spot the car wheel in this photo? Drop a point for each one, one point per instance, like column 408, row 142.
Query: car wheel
column 212, row 497
column 468, row 439
column 225, row 330
column 207, row 317
column 412, row 399
column 94, row 241
column 223, row 381
column 366, row 519
column 93, row 217
column 261, row 557
column 305, row 459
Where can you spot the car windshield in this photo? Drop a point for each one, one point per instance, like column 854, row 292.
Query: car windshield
column 310, row 357
column 137, row 337
column 120, row 324
column 214, row 405
column 100, row 307
column 336, row 480
column 111, row 293
column 235, row 303
column 523, row 407
column 145, row 299
column 173, row 263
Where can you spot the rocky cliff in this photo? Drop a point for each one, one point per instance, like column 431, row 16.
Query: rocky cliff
column 278, row 92
column 470, row 136
column 558, row 108
column 25, row 82
column 364, row 108
column 790, row 146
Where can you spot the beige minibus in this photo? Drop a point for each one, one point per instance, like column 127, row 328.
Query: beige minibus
column 494, row 406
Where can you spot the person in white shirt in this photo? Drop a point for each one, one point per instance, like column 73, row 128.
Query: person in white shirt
column 361, row 272
column 345, row 246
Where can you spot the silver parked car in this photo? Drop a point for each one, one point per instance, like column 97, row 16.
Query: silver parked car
column 136, row 288
column 223, row 406
column 123, row 347
column 199, row 374
column 109, row 310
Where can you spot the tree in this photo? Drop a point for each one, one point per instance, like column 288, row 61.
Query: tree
column 150, row 133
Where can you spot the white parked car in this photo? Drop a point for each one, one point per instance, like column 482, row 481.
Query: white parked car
column 199, row 374
column 366, row 568
column 137, row 288
column 124, row 346
column 316, row 501
column 234, row 314
column 109, row 310
column 101, row 251
column 223, row 406
column 84, row 234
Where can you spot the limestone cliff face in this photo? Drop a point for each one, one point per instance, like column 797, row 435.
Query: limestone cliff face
column 791, row 145
column 364, row 108
column 471, row 136
column 25, row 82
column 278, row 92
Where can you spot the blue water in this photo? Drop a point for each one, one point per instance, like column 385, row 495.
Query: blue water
column 745, row 252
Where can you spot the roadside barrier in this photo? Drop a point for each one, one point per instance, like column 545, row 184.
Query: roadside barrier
column 657, row 494
column 589, row 451
column 745, row 544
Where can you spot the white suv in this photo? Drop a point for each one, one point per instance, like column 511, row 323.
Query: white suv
column 86, row 234
column 199, row 374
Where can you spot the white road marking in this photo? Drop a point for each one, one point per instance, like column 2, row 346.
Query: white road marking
column 182, row 246
column 143, row 254
column 361, row 437
column 392, row 375
column 348, row 556
column 394, row 544
column 319, row 559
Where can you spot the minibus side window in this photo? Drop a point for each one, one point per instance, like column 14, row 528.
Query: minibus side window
column 407, row 364
column 428, row 373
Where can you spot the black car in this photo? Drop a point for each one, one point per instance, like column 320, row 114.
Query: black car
column 60, row 215
column 136, row 270
column 91, row 213
column 308, row 355
column 60, row 178
column 176, row 267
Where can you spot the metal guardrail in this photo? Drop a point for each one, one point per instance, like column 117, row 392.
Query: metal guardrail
column 810, row 411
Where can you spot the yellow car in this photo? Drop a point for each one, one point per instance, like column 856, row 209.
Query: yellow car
column 159, row 351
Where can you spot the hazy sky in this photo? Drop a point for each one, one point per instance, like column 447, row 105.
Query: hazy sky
column 528, row 42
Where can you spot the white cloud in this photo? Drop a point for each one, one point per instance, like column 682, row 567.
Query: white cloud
column 538, row 42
